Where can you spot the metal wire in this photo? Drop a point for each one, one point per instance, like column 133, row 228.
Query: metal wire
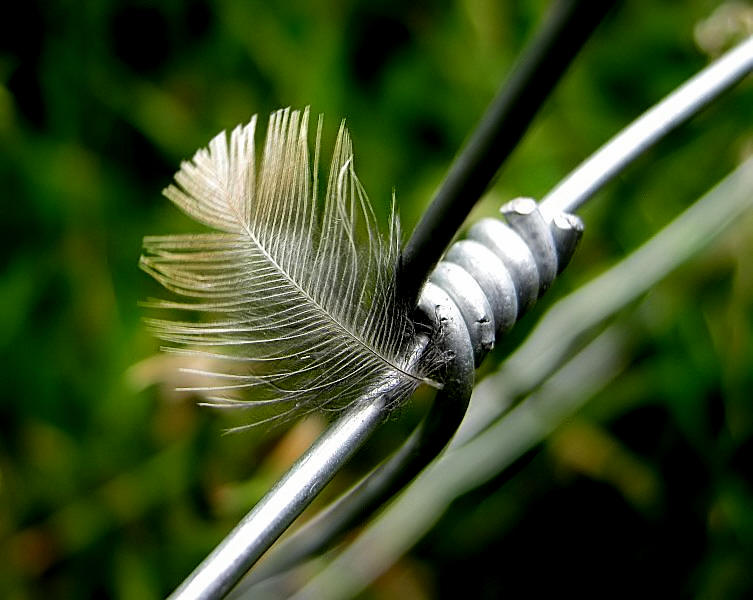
column 220, row 571
column 687, row 100
column 566, row 29
column 481, row 288
column 477, row 290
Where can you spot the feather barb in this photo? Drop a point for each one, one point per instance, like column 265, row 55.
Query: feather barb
column 295, row 296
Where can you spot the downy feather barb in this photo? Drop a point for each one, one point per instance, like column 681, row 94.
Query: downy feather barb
column 293, row 297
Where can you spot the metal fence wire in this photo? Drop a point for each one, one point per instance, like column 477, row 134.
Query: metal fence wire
column 476, row 292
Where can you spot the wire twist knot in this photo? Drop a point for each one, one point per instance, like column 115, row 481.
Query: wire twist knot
column 499, row 271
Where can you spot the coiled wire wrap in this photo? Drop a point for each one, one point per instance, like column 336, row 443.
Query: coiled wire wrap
column 484, row 284
column 499, row 271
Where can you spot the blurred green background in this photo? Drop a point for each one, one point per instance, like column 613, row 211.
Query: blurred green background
column 113, row 485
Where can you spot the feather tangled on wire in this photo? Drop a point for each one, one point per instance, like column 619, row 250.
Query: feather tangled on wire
column 293, row 296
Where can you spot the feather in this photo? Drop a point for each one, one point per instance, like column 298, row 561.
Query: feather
column 293, row 296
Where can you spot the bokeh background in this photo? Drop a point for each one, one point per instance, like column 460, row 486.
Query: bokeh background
column 113, row 485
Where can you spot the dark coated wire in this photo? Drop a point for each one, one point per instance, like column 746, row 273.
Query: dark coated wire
column 546, row 58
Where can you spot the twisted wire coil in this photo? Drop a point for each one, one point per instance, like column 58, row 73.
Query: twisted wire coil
column 488, row 280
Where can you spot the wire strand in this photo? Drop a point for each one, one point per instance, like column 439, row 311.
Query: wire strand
column 547, row 57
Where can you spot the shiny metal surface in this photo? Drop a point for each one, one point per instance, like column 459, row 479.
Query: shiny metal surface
column 515, row 256
column 524, row 218
column 513, row 263
column 490, row 274
column 468, row 296
column 566, row 231
column 220, row 571
column 644, row 132
column 454, row 340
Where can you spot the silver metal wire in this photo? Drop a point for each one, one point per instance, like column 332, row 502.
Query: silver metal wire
column 482, row 286
column 220, row 571
column 499, row 272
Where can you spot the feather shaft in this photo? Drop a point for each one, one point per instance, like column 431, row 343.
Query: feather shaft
column 300, row 298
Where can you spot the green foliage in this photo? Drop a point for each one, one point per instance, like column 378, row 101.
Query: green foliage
column 113, row 485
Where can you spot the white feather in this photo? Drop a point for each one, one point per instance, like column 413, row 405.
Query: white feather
column 296, row 296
